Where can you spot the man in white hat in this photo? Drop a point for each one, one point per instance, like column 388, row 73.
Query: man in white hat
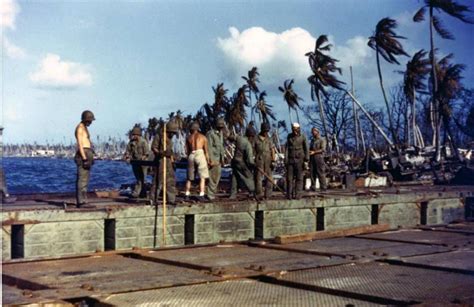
column 296, row 154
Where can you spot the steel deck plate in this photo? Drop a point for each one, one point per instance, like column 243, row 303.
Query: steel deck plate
column 110, row 274
column 394, row 282
column 245, row 257
column 461, row 260
column 424, row 236
column 366, row 248
column 231, row 293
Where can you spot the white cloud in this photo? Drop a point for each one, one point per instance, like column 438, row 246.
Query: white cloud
column 58, row 74
column 278, row 56
column 8, row 11
column 13, row 51
column 281, row 56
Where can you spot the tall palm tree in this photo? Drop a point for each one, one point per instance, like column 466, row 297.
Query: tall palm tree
column 252, row 80
column 263, row 109
column 221, row 100
column 292, row 99
column 385, row 43
column 323, row 68
column 237, row 116
column 449, row 84
column 413, row 81
column 457, row 11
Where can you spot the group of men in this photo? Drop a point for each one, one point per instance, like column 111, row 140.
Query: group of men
column 252, row 164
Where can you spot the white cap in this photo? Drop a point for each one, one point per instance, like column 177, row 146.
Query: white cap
column 295, row 125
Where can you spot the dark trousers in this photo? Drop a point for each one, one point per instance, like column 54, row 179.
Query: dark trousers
column 263, row 167
column 318, row 170
column 214, row 178
column 241, row 176
column 83, row 176
column 140, row 173
column 294, row 179
column 157, row 184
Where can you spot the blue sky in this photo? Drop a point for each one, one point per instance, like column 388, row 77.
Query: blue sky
column 129, row 61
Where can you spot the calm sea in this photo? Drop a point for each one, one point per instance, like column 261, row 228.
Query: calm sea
column 49, row 175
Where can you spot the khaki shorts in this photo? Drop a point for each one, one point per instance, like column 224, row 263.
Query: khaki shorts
column 197, row 159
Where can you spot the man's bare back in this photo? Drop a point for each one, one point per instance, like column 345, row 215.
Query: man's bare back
column 197, row 141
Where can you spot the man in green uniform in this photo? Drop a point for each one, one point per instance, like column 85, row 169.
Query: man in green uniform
column 296, row 154
column 264, row 158
column 158, row 148
column 215, row 141
column 84, row 157
column 243, row 163
column 317, row 148
column 137, row 149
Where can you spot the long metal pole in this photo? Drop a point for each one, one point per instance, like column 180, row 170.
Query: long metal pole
column 164, row 186
column 354, row 111
column 370, row 118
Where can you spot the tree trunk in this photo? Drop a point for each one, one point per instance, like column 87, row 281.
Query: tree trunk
column 413, row 118
column 390, row 120
column 323, row 119
column 434, row 80
column 354, row 111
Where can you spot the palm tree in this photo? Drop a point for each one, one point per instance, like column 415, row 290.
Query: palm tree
column 292, row 99
column 323, row 68
column 385, row 43
column 263, row 109
column 449, row 84
column 236, row 117
column 457, row 11
column 220, row 99
column 252, row 80
column 413, row 81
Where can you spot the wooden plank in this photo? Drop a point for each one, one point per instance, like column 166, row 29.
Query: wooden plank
column 286, row 239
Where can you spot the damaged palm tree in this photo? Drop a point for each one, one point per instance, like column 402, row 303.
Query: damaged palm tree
column 263, row 109
column 449, row 84
column 291, row 98
column 413, row 81
column 386, row 43
column 237, row 115
column 252, row 80
column 323, row 67
column 221, row 101
column 457, row 11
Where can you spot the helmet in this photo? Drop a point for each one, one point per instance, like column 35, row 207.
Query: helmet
column 295, row 125
column 250, row 131
column 220, row 123
column 195, row 126
column 172, row 127
column 265, row 127
column 136, row 131
column 87, row 116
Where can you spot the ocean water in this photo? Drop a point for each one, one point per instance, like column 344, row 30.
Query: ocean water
column 50, row 175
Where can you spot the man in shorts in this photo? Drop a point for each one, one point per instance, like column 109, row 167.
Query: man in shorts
column 198, row 157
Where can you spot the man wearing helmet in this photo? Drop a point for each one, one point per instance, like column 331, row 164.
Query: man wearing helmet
column 264, row 157
column 296, row 154
column 137, row 149
column 243, row 163
column 158, row 148
column 198, row 157
column 84, row 157
column 215, row 139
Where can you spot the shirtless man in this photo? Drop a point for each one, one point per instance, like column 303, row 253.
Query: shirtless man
column 84, row 157
column 198, row 156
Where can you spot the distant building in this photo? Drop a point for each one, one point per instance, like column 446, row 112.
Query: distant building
column 42, row 153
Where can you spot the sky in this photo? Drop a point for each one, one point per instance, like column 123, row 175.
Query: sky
column 128, row 61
